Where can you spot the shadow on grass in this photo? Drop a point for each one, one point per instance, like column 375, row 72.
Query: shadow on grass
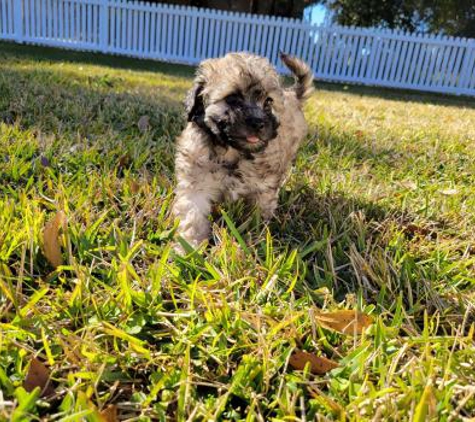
column 90, row 112
column 400, row 95
column 58, row 55
column 352, row 246
column 49, row 54
column 50, row 100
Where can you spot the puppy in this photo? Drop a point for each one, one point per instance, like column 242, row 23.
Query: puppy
column 242, row 135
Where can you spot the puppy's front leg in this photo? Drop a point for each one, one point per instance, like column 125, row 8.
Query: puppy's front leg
column 192, row 208
column 267, row 202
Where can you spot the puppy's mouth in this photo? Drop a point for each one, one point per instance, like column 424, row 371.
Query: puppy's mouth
column 241, row 138
column 253, row 139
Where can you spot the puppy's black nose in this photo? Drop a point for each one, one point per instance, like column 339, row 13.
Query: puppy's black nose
column 255, row 122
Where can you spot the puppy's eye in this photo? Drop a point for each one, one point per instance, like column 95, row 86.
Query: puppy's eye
column 233, row 99
column 258, row 94
column 268, row 102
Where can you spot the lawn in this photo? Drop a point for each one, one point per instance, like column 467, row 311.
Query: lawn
column 377, row 216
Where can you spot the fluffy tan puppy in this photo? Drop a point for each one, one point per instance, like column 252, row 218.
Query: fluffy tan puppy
column 243, row 132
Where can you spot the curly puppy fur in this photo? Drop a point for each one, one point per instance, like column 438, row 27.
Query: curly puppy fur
column 242, row 135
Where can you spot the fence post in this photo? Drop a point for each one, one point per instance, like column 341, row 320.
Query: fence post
column 466, row 73
column 18, row 20
column 104, row 25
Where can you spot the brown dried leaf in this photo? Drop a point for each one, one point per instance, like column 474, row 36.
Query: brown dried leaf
column 134, row 186
column 38, row 376
column 346, row 321
column 51, row 239
column 319, row 365
column 109, row 414
column 125, row 160
column 414, row 229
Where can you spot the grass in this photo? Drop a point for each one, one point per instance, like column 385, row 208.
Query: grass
column 378, row 215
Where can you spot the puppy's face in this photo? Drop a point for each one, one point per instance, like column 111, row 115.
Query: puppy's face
column 243, row 119
column 236, row 100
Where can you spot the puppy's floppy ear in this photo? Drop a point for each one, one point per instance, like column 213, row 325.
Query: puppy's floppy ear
column 194, row 106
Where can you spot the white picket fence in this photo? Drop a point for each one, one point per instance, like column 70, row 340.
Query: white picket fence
column 188, row 35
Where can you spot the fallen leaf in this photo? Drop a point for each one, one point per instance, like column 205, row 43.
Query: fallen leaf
column 51, row 239
column 144, row 124
column 409, row 184
column 346, row 321
column 449, row 192
column 319, row 365
column 414, row 229
column 109, row 414
column 125, row 160
column 38, row 376
column 134, row 186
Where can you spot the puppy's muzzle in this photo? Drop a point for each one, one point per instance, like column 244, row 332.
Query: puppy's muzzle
column 255, row 123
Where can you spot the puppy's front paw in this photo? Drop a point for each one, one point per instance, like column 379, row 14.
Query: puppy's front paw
column 268, row 214
column 267, row 204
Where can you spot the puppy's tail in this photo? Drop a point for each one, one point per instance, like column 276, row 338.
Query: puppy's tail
column 302, row 73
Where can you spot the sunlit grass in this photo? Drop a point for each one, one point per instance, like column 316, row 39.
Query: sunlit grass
column 378, row 215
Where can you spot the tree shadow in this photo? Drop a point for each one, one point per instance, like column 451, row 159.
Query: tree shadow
column 64, row 112
column 352, row 246
column 400, row 95
column 56, row 55
column 50, row 54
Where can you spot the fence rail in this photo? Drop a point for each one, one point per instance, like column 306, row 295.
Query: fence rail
column 188, row 35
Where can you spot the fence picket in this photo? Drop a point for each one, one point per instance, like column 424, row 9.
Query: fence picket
column 456, row 67
column 401, row 62
column 26, row 18
column 359, row 57
column 354, row 56
column 209, row 41
column 3, row 22
column 251, row 42
column 258, row 39
column 67, row 32
column 222, row 38
column 382, row 58
column 176, row 33
column 452, row 66
column 205, row 39
column 445, row 66
column 467, row 66
column 436, row 72
column 273, row 41
column 313, row 55
column 139, row 33
column 153, row 34
column 423, row 57
column 319, row 50
column 350, row 62
column 123, row 28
